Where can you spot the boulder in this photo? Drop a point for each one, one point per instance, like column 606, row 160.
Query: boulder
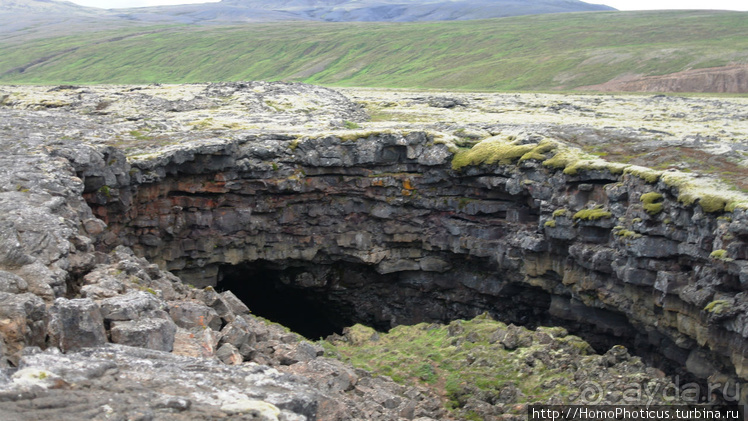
column 76, row 324
column 191, row 314
column 151, row 333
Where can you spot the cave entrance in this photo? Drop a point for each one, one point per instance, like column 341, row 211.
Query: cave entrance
column 272, row 292
column 322, row 298
column 318, row 299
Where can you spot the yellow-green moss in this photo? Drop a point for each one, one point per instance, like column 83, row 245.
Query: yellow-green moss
column 624, row 233
column 652, row 202
column 718, row 306
column 561, row 212
column 712, row 203
column 563, row 159
column 646, row 174
column 538, row 152
column 592, row 214
column 550, row 223
column 733, row 205
column 491, row 151
column 720, row 254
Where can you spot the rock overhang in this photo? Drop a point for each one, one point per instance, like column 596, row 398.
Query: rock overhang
column 578, row 236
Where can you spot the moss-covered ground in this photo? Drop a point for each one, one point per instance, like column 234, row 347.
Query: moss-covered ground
column 484, row 368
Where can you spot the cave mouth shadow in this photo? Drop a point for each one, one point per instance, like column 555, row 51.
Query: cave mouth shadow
column 265, row 289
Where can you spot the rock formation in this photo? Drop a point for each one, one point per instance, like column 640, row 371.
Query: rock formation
column 381, row 227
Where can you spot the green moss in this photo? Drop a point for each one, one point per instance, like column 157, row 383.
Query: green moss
column 550, row 223
column 733, row 205
column 591, row 164
column 720, row 254
column 465, row 361
column 718, row 306
column 562, row 159
column 490, row 151
column 652, row 202
column 624, row 233
column 712, row 203
column 561, row 212
column 646, row 174
column 538, row 153
column 592, row 214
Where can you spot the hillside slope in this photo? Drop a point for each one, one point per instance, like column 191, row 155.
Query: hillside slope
column 363, row 10
column 47, row 16
column 542, row 52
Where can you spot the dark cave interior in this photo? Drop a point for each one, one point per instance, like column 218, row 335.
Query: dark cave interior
column 261, row 288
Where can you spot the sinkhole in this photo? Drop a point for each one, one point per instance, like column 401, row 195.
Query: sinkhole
column 318, row 299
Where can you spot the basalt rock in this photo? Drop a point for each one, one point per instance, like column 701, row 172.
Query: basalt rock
column 369, row 227
column 381, row 228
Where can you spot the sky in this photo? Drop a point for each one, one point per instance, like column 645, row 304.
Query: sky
column 741, row 5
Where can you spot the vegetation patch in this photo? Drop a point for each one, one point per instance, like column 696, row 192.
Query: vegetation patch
column 624, row 233
column 494, row 150
column 720, row 254
column 652, row 202
column 592, row 214
column 718, row 307
column 647, row 174
column 483, row 360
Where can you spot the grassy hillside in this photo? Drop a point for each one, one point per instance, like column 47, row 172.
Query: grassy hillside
column 520, row 53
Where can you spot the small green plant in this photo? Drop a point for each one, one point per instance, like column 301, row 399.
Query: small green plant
column 106, row 191
column 351, row 125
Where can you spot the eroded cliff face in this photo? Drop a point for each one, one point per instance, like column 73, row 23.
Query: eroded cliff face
column 268, row 193
column 382, row 230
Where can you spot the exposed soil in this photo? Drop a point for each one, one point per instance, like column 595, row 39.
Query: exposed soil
column 726, row 79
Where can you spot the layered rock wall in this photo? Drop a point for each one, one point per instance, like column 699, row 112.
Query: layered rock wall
column 383, row 227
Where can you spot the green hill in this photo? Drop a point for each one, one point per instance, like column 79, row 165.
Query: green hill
column 540, row 52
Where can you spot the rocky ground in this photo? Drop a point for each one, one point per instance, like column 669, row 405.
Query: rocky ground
column 91, row 331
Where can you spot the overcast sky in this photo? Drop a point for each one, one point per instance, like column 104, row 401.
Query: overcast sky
column 618, row 4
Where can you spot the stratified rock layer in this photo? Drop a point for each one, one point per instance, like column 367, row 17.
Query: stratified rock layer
column 378, row 226
column 406, row 238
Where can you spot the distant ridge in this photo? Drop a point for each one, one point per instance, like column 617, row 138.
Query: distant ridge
column 19, row 14
column 686, row 51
